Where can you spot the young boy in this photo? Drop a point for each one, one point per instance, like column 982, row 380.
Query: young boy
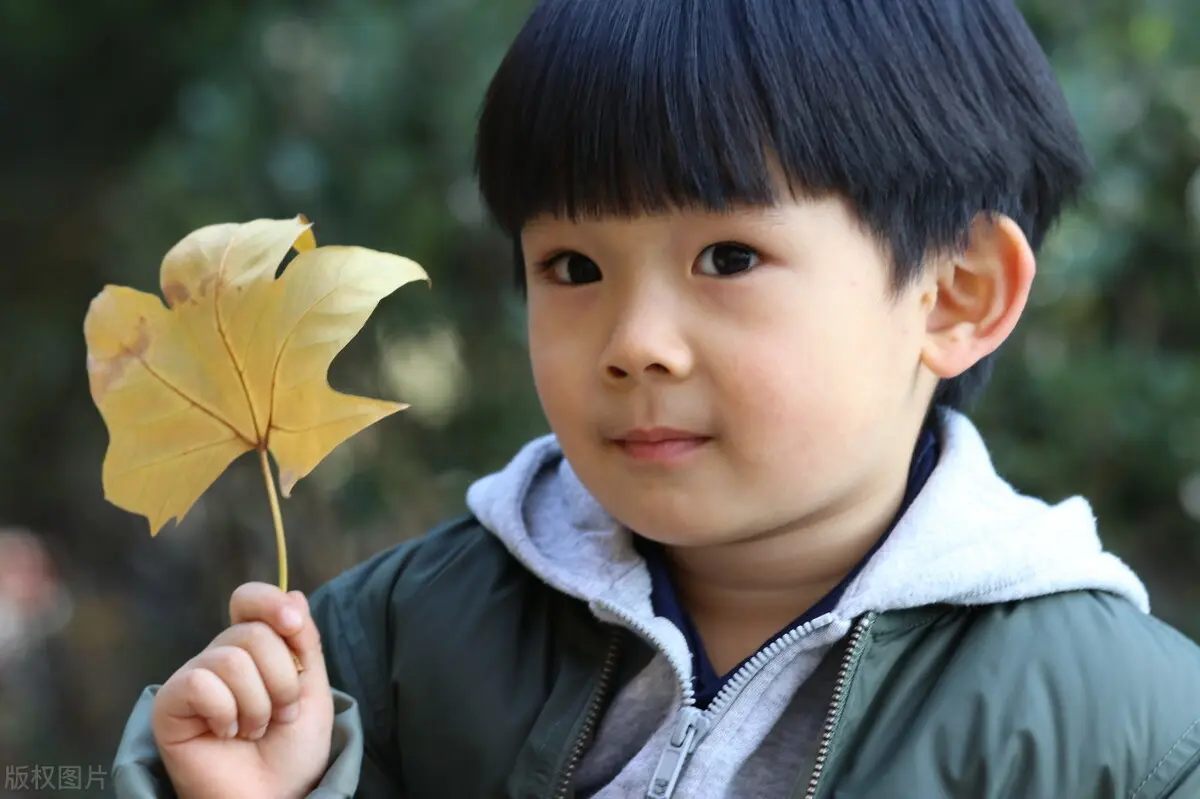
column 769, row 249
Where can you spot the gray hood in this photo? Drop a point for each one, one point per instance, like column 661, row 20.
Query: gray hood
column 968, row 538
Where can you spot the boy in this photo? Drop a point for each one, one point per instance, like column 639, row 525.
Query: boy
column 769, row 249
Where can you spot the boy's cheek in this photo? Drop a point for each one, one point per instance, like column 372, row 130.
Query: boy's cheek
column 563, row 392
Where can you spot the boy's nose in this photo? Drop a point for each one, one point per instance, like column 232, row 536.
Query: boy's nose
column 646, row 344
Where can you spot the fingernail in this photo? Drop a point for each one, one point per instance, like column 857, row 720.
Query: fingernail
column 288, row 714
column 232, row 731
column 291, row 618
column 260, row 732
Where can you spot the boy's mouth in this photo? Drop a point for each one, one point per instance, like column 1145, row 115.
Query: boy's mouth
column 659, row 444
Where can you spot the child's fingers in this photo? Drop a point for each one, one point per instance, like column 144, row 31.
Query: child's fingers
column 287, row 614
column 192, row 702
column 266, row 603
column 236, row 668
column 272, row 658
column 306, row 642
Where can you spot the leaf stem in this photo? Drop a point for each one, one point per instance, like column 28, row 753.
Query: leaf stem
column 276, row 517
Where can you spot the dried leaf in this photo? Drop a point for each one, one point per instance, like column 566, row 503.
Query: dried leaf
column 237, row 360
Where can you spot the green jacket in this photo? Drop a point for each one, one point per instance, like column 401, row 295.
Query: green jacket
column 458, row 673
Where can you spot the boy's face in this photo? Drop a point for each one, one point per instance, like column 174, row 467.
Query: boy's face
column 775, row 376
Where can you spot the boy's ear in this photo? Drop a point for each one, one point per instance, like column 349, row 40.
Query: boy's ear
column 977, row 296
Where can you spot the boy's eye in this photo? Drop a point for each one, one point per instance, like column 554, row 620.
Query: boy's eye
column 571, row 268
column 722, row 260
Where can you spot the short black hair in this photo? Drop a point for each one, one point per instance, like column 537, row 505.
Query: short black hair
column 922, row 114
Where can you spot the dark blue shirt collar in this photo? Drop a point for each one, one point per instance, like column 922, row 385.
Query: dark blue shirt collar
column 706, row 681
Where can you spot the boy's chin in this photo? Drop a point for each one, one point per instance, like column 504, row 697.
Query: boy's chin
column 696, row 529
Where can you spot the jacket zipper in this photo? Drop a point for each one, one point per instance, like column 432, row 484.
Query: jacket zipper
column 591, row 717
column 691, row 723
column 838, row 702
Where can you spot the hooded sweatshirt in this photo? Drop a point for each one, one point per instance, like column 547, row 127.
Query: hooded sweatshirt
column 967, row 538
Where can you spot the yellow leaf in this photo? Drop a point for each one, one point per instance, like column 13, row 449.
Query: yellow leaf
column 237, row 360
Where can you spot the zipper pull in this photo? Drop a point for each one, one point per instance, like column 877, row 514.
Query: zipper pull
column 690, row 724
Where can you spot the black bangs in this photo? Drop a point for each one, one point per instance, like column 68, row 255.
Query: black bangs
column 615, row 107
column 920, row 113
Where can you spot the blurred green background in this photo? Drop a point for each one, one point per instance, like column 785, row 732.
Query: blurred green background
column 127, row 124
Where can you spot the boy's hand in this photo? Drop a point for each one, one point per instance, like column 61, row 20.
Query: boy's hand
column 238, row 719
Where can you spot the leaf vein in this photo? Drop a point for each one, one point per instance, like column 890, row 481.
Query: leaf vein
column 221, row 334
column 171, row 457
column 284, row 345
column 194, row 402
column 310, row 428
